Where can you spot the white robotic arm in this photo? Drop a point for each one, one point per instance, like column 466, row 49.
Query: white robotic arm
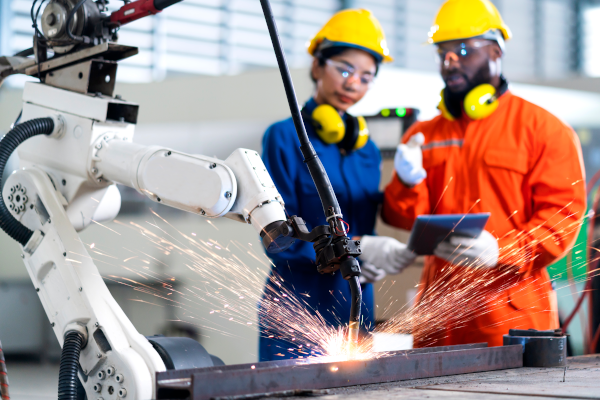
column 76, row 142
column 68, row 179
column 94, row 152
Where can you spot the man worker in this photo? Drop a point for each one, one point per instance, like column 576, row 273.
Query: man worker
column 490, row 151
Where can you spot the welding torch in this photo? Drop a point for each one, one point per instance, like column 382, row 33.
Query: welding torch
column 334, row 250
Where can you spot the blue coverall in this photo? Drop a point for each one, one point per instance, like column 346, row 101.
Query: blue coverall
column 355, row 179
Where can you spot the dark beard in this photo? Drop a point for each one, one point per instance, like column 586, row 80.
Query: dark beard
column 454, row 100
column 482, row 76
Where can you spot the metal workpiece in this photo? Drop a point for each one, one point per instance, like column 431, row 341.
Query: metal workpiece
column 278, row 376
column 540, row 348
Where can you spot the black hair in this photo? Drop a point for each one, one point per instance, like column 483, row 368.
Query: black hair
column 323, row 55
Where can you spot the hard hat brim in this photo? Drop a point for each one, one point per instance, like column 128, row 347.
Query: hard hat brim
column 327, row 44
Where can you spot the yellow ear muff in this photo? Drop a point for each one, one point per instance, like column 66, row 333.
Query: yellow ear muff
column 331, row 126
column 481, row 102
column 363, row 134
column 443, row 109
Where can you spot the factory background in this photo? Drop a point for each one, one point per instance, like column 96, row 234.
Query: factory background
column 206, row 81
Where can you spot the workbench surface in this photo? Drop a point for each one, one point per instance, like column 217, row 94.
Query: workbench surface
column 580, row 380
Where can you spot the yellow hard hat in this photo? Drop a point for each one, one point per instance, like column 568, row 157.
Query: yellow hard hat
column 463, row 19
column 356, row 28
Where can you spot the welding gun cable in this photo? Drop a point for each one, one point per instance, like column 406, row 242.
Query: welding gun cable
column 315, row 167
column 8, row 144
column 3, row 376
column 329, row 201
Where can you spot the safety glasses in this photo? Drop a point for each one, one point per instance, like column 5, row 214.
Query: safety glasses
column 347, row 72
column 461, row 51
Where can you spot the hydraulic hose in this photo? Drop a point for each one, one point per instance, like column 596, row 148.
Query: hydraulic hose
column 3, row 377
column 69, row 365
column 8, row 144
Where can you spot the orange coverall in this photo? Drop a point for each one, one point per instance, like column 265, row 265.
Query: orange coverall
column 525, row 167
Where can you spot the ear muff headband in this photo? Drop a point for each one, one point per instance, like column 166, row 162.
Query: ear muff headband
column 330, row 127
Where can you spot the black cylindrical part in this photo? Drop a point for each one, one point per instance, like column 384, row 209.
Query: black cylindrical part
column 356, row 294
column 8, row 144
column 541, row 349
column 69, row 365
column 162, row 4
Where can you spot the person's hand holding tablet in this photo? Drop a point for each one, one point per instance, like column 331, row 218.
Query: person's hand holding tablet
column 457, row 238
column 479, row 252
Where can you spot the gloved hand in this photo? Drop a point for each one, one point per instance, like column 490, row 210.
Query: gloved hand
column 479, row 252
column 386, row 253
column 370, row 273
column 408, row 161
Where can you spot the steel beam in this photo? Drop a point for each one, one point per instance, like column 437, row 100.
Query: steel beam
column 279, row 376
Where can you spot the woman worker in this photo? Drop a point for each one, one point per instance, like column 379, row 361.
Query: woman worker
column 347, row 53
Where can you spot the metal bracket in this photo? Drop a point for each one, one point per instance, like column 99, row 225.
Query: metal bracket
column 106, row 51
column 92, row 76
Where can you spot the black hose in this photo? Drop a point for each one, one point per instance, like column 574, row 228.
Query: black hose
column 69, row 365
column 331, row 207
column 8, row 144
column 315, row 167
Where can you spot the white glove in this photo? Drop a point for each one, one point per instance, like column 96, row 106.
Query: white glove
column 386, row 253
column 370, row 273
column 479, row 252
column 408, row 161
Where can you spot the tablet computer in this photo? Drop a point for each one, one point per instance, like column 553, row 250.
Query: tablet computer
column 429, row 230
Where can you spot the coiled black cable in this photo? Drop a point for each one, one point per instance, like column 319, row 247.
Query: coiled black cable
column 69, row 365
column 8, row 144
